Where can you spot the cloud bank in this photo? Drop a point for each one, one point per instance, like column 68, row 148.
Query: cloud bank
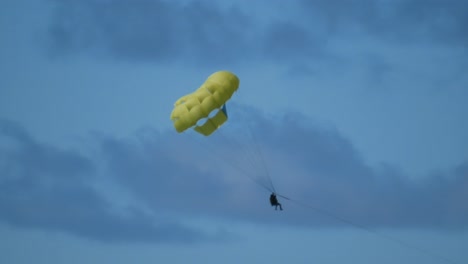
column 45, row 187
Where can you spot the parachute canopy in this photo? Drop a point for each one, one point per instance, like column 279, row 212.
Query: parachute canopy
column 205, row 108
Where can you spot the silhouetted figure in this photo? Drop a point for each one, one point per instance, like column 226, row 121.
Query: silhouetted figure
column 274, row 202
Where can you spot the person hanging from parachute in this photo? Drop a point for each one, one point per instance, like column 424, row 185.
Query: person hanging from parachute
column 274, row 202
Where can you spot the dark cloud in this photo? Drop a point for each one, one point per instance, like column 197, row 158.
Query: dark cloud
column 158, row 30
column 210, row 178
column 439, row 21
column 151, row 30
column 401, row 20
column 164, row 31
column 48, row 188
column 182, row 173
column 176, row 174
column 306, row 41
column 340, row 181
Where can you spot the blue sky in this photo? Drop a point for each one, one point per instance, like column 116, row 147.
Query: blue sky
column 358, row 107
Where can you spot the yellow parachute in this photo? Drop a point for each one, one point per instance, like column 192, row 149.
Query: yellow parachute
column 204, row 110
column 198, row 107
